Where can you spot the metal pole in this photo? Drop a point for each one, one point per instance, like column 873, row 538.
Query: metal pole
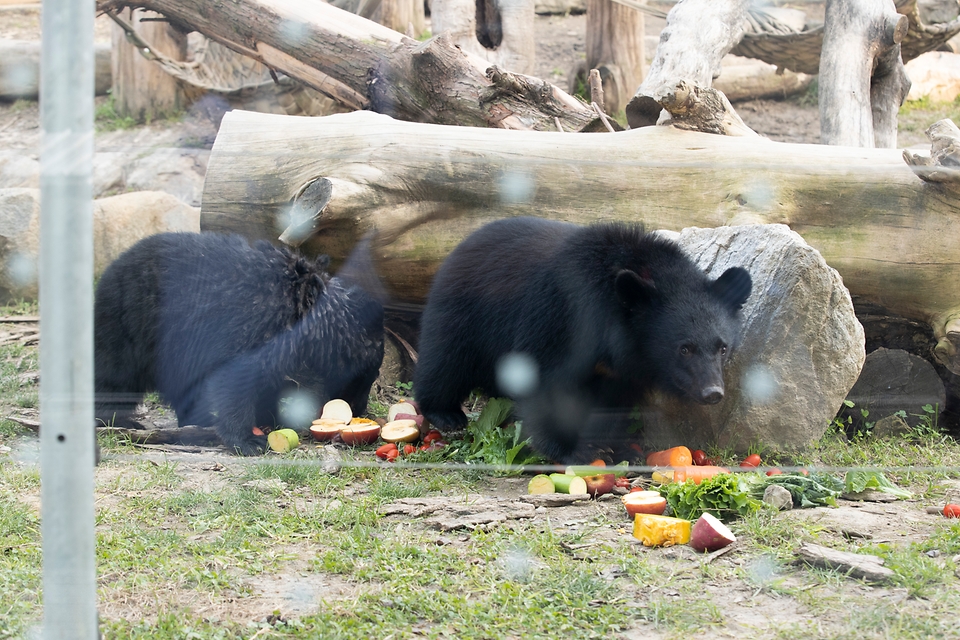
column 66, row 327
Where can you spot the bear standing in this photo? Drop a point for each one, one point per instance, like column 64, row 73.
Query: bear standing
column 229, row 334
column 587, row 319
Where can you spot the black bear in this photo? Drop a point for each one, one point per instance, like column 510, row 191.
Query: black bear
column 227, row 332
column 591, row 318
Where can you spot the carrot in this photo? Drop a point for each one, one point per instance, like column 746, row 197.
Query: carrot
column 697, row 474
column 673, row 457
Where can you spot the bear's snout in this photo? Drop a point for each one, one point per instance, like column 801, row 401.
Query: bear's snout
column 711, row 395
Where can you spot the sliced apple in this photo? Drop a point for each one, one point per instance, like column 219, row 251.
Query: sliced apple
column 400, row 407
column 400, row 431
column 337, row 409
column 709, row 534
column 325, row 429
column 410, row 416
column 283, row 440
column 540, row 484
column 360, row 432
column 644, row 502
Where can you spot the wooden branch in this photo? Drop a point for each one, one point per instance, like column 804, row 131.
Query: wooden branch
column 422, row 188
column 860, row 36
column 614, row 46
column 368, row 66
column 697, row 36
column 505, row 36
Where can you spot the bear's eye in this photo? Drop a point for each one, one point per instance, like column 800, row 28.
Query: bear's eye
column 686, row 350
column 723, row 350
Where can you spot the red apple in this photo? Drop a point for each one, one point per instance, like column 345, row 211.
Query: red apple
column 400, row 407
column 400, row 431
column 362, row 433
column 325, row 429
column 709, row 534
column 649, row 502
column 599, row 484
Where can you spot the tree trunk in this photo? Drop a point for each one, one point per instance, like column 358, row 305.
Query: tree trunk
column 697, row 36
column 862, row 80
column 405, row 16
column 364, row 65
column 499, row 31
column 141, row 89
column 615, row 48
column 20, row 69
column 423, row 188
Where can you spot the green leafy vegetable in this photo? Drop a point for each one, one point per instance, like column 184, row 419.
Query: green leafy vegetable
column 489, row 443
column 721, row 496
column 857, row 481
column 817, row 490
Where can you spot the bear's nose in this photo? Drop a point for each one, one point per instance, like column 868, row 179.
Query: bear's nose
column 711, row 395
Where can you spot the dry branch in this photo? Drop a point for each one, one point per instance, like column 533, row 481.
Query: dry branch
column 364, row 65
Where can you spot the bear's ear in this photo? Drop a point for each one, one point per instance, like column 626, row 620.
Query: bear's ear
column 632, row 289
column 733, row 287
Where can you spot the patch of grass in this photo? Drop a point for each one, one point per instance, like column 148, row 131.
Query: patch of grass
column 916, row 116
column 106, row 118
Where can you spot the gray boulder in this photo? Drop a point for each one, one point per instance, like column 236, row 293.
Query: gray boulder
column 801, row 351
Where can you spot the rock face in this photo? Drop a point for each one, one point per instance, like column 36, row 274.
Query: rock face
column 801, row 351
column 935, row 75
column 118, row 223
column 893, row 380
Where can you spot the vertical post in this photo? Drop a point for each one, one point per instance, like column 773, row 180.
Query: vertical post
column 66, row 327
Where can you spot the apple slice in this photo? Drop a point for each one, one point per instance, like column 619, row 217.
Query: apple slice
column 410, row 416
column 337, row 409
column 400, row 407
column 400, row 431
column 540, row 484
column 359, row 432
column 283, row 440
column 325, row 429
column 644, row 502
column 709, row 534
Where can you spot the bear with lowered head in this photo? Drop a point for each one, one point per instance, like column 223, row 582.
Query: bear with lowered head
column 232, row 336
column 576, row 323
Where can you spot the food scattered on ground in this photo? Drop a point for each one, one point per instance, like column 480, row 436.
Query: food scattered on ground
column 951, row 511
column 660, row 531
column 410, row 416
column 540, row 484
column 644, row 502
column 752, row 461
column 325, row 429
column 673, row 457
column 859, row 481
column 384, row 450
column 338, row 410
column 355, row 433
column 568, row 483
column 699, row 457
column 693, row 473
column 400, row 408
column 283, row 440
column 257, row 431
column 400, row 431
column 709, row 534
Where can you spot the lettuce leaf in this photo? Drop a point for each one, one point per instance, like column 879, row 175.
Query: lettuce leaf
column 857, row 481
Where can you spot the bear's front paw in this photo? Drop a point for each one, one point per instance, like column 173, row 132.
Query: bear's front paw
column 446, row 420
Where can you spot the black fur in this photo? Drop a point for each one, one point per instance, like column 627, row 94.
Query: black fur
column 607, row 312
column 224, row 331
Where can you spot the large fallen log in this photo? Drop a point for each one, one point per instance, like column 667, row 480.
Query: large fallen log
column 364, row 65
column 324, row 183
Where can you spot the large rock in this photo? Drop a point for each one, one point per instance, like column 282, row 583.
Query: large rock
column 893, row 380
column 934, row 75
column 118, row 223
column 802, row 347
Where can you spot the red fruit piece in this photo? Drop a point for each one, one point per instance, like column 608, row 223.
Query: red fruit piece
column 384, row 450
column 257, row 431
column 392, row 455
column 752, row 461
column 432, row 436
column 699, row 457
column 951, row 511
column 774, row 472
column 408, row 449
column 622, row 482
